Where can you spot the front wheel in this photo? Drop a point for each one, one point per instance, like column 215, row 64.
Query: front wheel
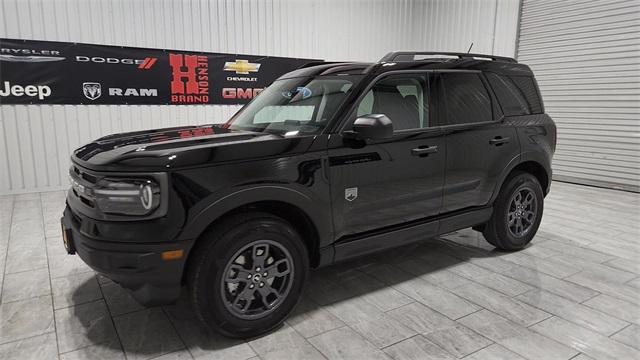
column 517, row 213
column 247, row 274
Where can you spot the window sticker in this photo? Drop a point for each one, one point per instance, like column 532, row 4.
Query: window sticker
column 304, row 91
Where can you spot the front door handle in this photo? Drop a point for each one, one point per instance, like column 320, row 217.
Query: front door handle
column 424, row 150
column 499, row 140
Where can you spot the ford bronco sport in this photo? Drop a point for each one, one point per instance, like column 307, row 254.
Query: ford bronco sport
column 332, row 161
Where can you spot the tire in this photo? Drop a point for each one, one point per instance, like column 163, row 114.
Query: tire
column 224, row 259
column 502, row 230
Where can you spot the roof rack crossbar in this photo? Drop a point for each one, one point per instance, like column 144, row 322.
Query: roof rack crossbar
column 392, row 56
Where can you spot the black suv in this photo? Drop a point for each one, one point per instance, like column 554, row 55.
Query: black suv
column 332, row 161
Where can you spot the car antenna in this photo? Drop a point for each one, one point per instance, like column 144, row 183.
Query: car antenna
column 468, row 51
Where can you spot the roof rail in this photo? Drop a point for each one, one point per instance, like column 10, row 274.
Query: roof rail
column 403, row 55
column 317, row 62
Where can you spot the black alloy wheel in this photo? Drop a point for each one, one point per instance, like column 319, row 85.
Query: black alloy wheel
column 247, row 273
column 522, row 212
column 517, row 212
column 258, row 278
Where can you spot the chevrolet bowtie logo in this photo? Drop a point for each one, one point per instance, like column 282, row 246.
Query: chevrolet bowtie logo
column 241, row 66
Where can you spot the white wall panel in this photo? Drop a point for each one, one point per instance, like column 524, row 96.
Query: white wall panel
column 586, row 57
column 35, row 141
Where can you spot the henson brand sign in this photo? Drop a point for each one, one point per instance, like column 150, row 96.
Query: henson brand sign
column 47, row 72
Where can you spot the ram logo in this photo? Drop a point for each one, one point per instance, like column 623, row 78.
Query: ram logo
column 132, row 92
column 92, row 90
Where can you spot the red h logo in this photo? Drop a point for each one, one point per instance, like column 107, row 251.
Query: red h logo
column 182, row 78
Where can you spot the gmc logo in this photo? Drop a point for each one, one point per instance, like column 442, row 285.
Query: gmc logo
column 190, row 82
column 239, row 93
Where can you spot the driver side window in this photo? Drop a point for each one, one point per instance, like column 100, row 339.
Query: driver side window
column 402, row 98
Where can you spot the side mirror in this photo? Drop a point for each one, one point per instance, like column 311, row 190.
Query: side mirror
column 372, row 126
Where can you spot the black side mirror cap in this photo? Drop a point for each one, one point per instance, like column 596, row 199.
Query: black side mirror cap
column 372, row 126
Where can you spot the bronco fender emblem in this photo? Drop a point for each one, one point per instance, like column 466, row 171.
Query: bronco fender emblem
column 351, row 194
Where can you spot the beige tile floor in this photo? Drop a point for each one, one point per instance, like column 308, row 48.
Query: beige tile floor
column 573, row 294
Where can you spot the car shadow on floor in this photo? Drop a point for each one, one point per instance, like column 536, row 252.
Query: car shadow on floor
column 328, row 286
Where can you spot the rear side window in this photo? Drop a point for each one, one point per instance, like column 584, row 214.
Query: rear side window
column 528, row 88
column 467, row 100
column 510, row 97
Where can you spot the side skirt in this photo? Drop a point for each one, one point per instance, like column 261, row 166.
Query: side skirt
column 399, row 235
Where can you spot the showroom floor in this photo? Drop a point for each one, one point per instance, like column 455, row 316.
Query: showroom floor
column 573, row 294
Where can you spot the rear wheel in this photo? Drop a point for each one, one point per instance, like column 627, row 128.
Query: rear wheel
column 247, row 274
column 517, row 213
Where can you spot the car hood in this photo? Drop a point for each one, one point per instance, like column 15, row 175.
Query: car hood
column 171, row 148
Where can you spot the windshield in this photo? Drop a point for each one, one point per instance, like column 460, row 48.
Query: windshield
column 295, row 105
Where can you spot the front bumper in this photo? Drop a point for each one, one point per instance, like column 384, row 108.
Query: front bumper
column 138, row 267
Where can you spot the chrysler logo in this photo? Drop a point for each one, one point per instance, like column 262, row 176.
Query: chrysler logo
column 91, row 90
column 30, row 58
column 29, row 55
column 241, row 66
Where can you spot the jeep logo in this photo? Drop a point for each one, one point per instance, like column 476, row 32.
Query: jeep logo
column 41, row 91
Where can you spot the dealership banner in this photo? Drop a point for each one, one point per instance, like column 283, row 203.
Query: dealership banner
column 47, row 72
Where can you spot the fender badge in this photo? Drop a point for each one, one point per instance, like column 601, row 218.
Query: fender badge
column 351, row 194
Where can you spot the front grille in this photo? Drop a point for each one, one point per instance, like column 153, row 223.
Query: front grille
column 85, row 175
column 82, row 185
column 90, row 178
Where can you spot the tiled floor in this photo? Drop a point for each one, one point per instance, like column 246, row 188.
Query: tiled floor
column 573, row 294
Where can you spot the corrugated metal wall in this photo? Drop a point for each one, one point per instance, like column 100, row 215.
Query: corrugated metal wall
column 586, row 57
column 35, row 141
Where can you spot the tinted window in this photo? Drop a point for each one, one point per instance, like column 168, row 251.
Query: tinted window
column 510, row 97
column 528, row 88
column 467, row 100
column 296, row 105
column 366, row 104
column 402, row 98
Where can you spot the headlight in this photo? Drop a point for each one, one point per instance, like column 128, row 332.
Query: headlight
column 127, row 196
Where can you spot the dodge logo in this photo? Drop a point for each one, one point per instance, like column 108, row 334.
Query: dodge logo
column 92, row 90
column 145, row 63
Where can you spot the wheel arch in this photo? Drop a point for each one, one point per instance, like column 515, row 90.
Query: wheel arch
column 291, row 205
column 537, row 170
column 532, row 166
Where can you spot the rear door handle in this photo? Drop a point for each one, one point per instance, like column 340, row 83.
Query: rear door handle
column 424, row 151
column 499, row 140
